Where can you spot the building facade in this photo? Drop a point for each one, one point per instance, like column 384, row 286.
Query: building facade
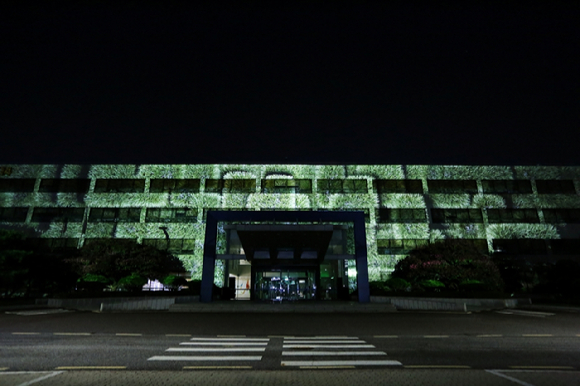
column 531, row 211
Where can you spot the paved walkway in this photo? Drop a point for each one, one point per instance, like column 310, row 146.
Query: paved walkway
column 411, row 377
column 288, row 307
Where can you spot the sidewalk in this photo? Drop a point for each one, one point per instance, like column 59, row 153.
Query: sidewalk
column 316, row 307
column 438, row 377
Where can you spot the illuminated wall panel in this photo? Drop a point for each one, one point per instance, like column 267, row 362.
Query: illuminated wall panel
column 517, row 208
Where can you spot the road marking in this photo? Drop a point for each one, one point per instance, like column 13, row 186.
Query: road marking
column 331, row 353
column 326, row 341
column 436, row 336
column 328, row 346
column 205, row 358
column 91, row 368
column 215, row 367
column 341, row 363
column 231, row 336
column 320, row 337
column 180, row 335
column 51, row 374
column 437, row 367
column 127, row 334
column 229, row 340
column 497, row 372
column 536, row 314
column 326, row 367
column 489, row 336
column 537, row 335
column 26, row 333
column 386, row 336
column 33, row 313
column 543, row 367
column 72, row 333
column 226, row 349
column 224, row 343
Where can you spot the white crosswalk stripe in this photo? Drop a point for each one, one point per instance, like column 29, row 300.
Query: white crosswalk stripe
column 322, row 351
column 216, row 350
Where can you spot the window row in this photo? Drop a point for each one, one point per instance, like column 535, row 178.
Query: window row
column 81, row 185
column 401, row 247
column 536, row 246
column 172, row 245
column 384, row 215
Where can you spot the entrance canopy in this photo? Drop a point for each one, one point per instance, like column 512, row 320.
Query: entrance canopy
column 286, row 244
column 284, row 237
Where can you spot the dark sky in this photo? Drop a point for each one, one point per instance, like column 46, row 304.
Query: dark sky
column 170, row 82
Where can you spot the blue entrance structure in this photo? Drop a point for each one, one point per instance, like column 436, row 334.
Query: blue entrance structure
column 357, row 218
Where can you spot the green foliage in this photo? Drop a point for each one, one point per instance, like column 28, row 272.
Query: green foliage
column 450, row 262
column 13, row 259
column 431, row 284
column 118, row 258
column 398, row 284
column 174, row 282
column 92, row 278
column 133, row 282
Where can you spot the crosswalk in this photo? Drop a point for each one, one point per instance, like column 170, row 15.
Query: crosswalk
column 285, row 351
column 324, row 351
column 216, row 350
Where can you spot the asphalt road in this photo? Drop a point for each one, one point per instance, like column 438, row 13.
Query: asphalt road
column 167, row 341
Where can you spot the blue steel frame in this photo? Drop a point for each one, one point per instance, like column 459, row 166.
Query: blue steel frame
column 214, row 216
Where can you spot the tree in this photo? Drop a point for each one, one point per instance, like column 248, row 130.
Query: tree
column 124, row 261
column 452, row 264
column 13, row 263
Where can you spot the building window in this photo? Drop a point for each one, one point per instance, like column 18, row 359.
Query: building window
column 397, row 186
column 565, row 247
column 455, row 216
column 54, row 185
column 115, row 215
column 230, row 186
column 562, row 216
column 520, row 246
column 349, row 186
column 399, row 247
column 388, row 215
column 56, row 243
column 58, row 214
column 499, row 216
column 452, row 186
column 119, row 186
column 506, row 186
column 174, row 186
column 181, row 215
column 17, row 214
column 555, row 187
column 286, row 185
column 174, row 246
column 20, row 185
column 5, row 170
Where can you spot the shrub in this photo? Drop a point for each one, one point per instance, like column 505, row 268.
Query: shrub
column 449, row 262
column 398, row 284
column 133, row 282
column 174, row 282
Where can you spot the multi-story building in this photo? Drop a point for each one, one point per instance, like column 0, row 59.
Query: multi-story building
column 298, row 231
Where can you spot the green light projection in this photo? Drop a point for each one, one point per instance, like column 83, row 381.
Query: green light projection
column 369, row 201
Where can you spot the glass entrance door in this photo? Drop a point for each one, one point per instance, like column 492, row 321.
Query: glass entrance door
column 285, row 284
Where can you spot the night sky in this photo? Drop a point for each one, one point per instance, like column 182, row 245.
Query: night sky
column 170, row 82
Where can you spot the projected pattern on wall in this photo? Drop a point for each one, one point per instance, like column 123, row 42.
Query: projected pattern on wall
column 406, row 205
